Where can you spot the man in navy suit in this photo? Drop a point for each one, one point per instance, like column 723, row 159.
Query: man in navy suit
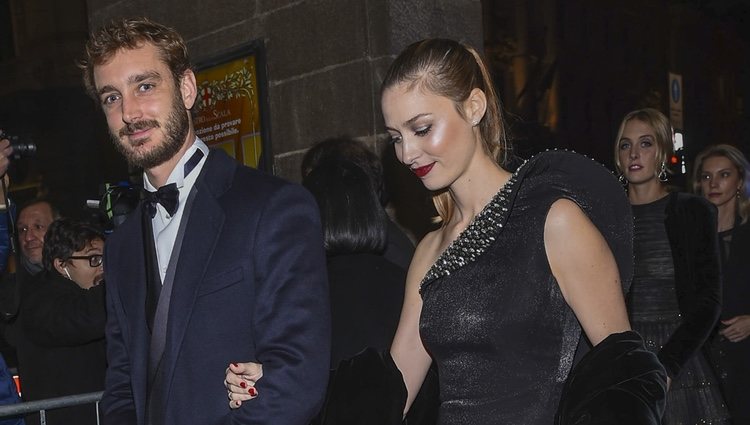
column 219, row 263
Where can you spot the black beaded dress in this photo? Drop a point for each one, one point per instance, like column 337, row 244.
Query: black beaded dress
column 694, row 397
column 493, row 317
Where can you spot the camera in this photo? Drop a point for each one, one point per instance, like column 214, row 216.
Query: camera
column 117, row 201
column 21, row 148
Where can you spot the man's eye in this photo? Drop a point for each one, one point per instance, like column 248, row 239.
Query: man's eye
column 110, row 99
column 145, row 87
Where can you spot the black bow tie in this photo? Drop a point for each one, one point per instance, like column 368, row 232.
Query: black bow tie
column 168, row 196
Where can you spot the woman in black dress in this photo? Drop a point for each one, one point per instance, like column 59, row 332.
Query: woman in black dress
column 674, row 300
column 521, row 263
column 721, row 175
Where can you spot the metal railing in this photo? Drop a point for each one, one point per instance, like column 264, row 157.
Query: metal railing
column 42, row 406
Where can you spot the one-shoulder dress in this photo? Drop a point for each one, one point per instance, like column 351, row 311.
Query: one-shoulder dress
column 493, row 317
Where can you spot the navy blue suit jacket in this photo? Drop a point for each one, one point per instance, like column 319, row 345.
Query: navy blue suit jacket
column 250, row 285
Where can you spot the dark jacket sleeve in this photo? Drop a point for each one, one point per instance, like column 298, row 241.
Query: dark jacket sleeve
column 617, row 382
column 292, row 321
column 117, row 405
column 367, row 389
column 691, row 227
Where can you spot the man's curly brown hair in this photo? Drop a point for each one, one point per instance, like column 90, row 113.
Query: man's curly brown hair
column 132, row 33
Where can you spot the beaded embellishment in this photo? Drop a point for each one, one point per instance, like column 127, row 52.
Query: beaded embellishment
column 477, row 237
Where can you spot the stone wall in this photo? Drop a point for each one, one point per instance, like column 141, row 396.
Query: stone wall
column 325, row 58
column 325, row 62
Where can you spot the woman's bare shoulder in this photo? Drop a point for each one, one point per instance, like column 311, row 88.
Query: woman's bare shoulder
column 425, row 255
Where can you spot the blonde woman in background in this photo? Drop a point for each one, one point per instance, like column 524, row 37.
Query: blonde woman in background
column 674, row 300
column 721, row 176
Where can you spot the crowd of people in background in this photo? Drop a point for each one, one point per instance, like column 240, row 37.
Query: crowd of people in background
column 548, row 292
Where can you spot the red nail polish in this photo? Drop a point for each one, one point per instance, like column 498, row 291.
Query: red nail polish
column 252, row 391
column 243, row 384
column 235, row 365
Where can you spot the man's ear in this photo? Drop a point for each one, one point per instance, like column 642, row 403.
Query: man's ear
column 188, row 88
column 59, row 265
column 475, row 106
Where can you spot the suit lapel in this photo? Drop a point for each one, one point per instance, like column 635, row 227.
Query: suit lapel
column 201, row 235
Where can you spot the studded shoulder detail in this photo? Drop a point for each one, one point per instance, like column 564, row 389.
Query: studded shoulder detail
column 477, row 237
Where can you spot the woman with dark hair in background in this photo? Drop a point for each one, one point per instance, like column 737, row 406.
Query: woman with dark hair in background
column 674, row 300
column 62, row 351
column 721, row 176
column 399, row 248
column 366, row 289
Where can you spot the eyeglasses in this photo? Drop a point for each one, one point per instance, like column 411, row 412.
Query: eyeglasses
column 94, row 260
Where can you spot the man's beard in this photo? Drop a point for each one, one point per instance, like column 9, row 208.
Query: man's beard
column 175, row 132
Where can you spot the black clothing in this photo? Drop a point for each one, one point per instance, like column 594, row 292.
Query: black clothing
column 367, row 292
column 61, row 347
column 676, row 330
column 691, row 223
column 617, row 382
column 732, row 359
column 13, row 288
column 493, row 316
column 400, row 248
column 498, row 328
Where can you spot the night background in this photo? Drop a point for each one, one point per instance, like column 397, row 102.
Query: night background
column 567, row 71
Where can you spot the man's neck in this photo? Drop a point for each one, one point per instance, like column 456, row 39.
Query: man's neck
column 31, row 267
column 158, row 175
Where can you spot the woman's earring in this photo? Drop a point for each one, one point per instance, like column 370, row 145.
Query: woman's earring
column 622, row 179
column 663, row 173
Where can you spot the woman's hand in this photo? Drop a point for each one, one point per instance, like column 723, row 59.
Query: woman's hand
column 738, row 328
column 240, row 382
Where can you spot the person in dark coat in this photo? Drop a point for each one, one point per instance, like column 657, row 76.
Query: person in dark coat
column 721, row 175
column 675, row 298
column 61, row 350
column 34, row 218
column 219, row 263
column 367, row 290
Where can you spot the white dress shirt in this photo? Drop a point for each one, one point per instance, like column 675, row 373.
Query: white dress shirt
column 166, row 226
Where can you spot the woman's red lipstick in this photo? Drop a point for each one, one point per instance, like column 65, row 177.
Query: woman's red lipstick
column 422, row 171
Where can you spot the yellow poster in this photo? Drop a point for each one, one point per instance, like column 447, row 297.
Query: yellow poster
column 228, row 115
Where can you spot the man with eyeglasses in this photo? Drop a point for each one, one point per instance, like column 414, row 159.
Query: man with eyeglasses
column 62, row 351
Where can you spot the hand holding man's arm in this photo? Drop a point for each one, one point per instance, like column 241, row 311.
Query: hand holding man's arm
column 292, row 314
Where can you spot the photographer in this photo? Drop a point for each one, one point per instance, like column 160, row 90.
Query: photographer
column 31, row 224
column 5, row 151
column 7, row 289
